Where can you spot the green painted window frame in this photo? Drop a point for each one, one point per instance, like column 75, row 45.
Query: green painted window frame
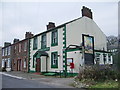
column 35, row 43
column 33, row 61
column 109, row 58
column 42, row 41
column 56, row 65
column 52, row 38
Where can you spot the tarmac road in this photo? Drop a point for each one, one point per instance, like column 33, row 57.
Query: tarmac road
column 11, row 82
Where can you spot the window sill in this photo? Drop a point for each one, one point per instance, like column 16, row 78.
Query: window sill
column 54, row 44
column 34, row 48
column 54, row 66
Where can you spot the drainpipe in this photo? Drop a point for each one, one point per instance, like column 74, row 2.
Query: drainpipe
column 46, row 65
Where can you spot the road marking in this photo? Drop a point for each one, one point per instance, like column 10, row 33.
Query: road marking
column 11, row 75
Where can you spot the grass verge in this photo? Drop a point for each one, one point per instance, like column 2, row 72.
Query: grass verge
column 106, row 84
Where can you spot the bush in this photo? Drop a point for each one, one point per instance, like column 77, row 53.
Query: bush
column 103, row 72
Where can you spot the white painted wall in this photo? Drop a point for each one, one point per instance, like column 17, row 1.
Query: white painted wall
column 43, row 63
column 77, row 60
column 52, row 49
column 85, row 25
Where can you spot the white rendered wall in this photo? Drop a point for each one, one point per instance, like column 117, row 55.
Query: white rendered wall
column 85, row 25
column 77, row 60
column 57, row 48
column 43, row 63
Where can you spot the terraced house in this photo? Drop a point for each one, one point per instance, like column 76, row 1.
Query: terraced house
column 6, row 56
column 20, row 53
column 79, row 42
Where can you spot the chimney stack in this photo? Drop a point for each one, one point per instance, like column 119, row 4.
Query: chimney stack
column 15, row 40
column 7, row 44
column 50, row 25
column 28, row 35
column 86, row 12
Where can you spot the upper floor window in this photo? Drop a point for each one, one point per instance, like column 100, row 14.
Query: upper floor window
column 15, row 48
column 43, row 42
column 19, row 47
column 54, row 38
column 3, row 52
column 35, row 43
column 9, row 50
column 25, row 46
column 6, row 52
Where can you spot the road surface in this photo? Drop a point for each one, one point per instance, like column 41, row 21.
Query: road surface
column 11, row 82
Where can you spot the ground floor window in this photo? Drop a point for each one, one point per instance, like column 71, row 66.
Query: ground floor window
column 25, row 63
column 109, row 58
column 104, row 58
column 54, row 60
column 97, row 58
column 69, row 60
column 3, row 62
column 8, row 63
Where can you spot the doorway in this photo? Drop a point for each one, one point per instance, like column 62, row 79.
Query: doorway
column 19, row 65
column 38, row 65
column 5, row 64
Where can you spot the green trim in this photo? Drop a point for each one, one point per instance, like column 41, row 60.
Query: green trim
column 54, row 44
column 45, row 49
column 101, row 51
column 35, row 45
column 64, row 65
column 64, row 56
column 37, row 56
column 63, row 61
column 110, row 54
column 64, row 43
column 54, row 66
column 64, row 52
column 71, row 50
column 43, row 46
column 97, row 53
column 33, row 62
column 31, row 71
column 105, row 54
column 49, row 74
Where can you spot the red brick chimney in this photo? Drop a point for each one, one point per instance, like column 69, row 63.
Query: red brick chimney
column 15, row 40
column 86, row 12
column 28, row 35
column 50, row 25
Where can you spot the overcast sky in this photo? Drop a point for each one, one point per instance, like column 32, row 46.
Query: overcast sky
column 20, row 17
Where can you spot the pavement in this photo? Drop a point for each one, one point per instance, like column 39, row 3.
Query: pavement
column 49, row 80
